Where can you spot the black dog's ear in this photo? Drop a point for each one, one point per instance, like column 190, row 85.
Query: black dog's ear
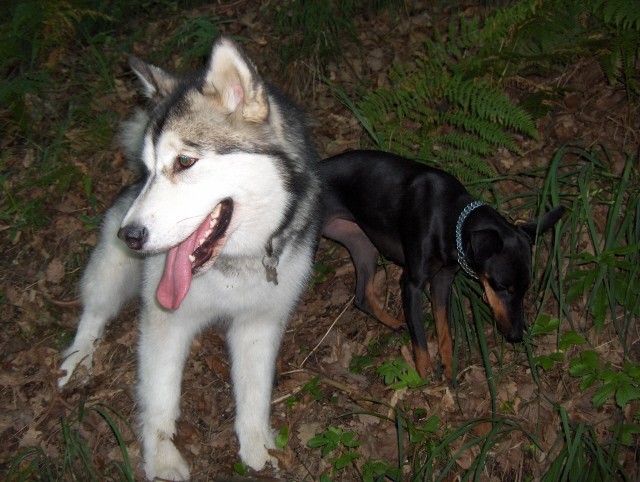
column 532, row 228
column 484, row 244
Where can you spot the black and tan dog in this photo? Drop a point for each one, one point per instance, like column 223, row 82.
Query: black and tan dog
column 425, row 220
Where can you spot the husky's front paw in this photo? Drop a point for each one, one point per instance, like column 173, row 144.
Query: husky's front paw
column 254, row 451
column 74, row 357
column 166, row 463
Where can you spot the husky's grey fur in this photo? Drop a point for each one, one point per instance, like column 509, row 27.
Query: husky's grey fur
column 222, row 231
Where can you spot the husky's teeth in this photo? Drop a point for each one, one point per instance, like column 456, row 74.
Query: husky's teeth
column 192, row 258
column 200, row 241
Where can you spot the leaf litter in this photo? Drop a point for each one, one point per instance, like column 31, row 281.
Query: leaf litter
column 315, row 387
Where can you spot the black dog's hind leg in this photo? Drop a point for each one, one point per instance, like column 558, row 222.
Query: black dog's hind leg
column 441, row 284
column 365, row 260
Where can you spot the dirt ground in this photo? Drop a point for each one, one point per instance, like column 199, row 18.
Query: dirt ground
column 39, row 273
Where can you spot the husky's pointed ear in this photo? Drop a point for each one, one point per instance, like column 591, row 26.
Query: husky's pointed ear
column 156, row 83
column 233, row 80
column 532, row 228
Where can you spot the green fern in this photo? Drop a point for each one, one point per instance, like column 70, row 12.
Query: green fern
column 620, row 13
column 447, row 105
column 441, row 117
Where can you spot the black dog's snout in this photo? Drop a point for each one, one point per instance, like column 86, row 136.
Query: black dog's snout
column 514, row 337
column 134, row 236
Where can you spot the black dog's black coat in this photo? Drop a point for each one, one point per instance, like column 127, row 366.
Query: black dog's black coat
column 380, row 202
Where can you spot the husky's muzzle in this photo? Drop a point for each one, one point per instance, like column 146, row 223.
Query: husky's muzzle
column 192, row 256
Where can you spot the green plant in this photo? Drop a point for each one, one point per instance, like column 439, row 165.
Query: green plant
column 548, row 325
column 75, row 462
column 342, row 444
column 583, row 457
column 436, row 115
column 622, row 384
column 398, row 374
column 605, row 273
column 447, row 105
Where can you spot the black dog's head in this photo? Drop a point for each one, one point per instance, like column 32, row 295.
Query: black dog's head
column 501, row 256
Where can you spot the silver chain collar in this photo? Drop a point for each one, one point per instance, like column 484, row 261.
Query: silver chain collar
column 462, row 257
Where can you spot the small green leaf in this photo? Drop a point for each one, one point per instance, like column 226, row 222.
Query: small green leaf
column 585, row 364
column 625, row 393
column 432, row 424
column 543, row 361
column 240, row 468
column 283, row 437
column 348, row 439
column 569, row 339
column 345, row 459
column 604, row 393
column 544, row 324
column 587, row 381
column 317, row 441
column 627, row 431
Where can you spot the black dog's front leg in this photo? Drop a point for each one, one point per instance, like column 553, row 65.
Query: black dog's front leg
column 441, row 285
column 412, row 290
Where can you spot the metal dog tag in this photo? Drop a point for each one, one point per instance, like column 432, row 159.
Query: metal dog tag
column 270, row 263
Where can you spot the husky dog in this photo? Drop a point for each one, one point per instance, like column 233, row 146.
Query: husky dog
column 222, row 231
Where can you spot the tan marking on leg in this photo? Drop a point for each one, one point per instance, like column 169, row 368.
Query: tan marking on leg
column 445, row 344
column 423, row 360
column 378, row 312
column 497, row 307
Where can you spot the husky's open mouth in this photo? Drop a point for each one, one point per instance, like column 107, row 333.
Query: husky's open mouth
column 193, row 256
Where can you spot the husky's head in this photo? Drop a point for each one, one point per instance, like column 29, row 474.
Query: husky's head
column 212, row 149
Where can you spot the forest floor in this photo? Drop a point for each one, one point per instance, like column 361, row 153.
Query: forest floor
column 315, row 388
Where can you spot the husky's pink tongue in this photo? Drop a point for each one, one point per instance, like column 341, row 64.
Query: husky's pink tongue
column 176, row 279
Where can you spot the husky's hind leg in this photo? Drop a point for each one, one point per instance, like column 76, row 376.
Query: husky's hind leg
column 111, row 278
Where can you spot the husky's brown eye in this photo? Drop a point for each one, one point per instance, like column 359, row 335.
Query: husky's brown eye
column 184, row 162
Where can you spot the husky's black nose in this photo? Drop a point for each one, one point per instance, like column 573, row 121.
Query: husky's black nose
column 134, row 236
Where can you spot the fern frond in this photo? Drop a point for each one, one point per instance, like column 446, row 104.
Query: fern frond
column 622, row 13
column 489, row 103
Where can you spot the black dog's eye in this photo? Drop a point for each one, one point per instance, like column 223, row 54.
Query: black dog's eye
column 510, row 290
column 185, row 162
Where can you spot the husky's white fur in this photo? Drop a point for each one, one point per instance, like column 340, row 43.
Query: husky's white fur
column 223, row 151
